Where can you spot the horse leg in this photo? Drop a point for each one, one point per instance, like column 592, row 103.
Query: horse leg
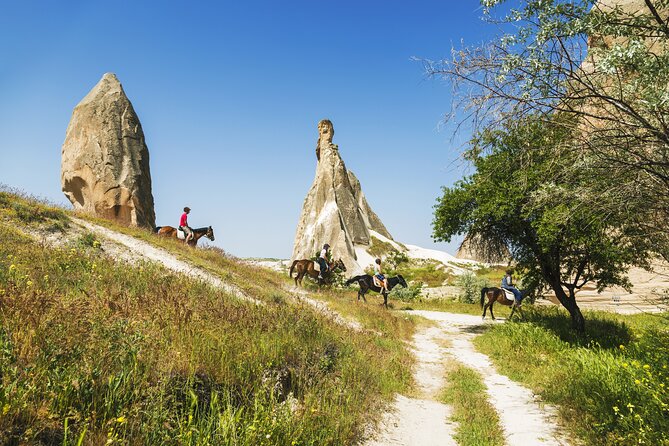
column 485, row 308
column 513, row 310
column 385, row 300
column 491, row 313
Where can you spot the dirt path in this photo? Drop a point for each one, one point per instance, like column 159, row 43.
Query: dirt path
column 137, row 249
column 524, row 420
column 132, row 250
column 421, row 420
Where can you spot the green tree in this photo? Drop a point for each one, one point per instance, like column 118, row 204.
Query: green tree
column 605, row 67
column 531, row 194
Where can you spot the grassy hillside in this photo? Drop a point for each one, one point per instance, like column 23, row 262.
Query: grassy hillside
column 95, row 351
column 611, row 386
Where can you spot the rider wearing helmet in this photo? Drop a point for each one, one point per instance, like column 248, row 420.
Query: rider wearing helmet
column 183, row 225
column 323, row 260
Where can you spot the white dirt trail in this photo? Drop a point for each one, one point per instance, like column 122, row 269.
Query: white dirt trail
column 144, row 250
column 523, row 418
column 132, row 250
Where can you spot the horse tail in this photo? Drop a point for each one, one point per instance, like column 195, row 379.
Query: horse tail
column 157, row 229
column 291, row 268
column 483, row 291
column 354, row 279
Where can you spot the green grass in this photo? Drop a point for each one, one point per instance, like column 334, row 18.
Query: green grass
column 103, row 352
column 380, row 248
column 424, row 271
column 478, row 423
column 611, row 385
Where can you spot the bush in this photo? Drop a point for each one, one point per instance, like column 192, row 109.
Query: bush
column 428, row 272
column 470, row 287
column 412, row 292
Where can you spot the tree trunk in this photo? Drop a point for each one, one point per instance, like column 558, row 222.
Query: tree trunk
column 569, row 302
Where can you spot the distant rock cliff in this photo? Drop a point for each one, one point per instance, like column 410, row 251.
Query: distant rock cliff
column 105, row 161
column 335, row 210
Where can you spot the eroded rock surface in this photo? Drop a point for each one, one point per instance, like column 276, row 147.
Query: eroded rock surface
column 335, row 210
column 105, row 161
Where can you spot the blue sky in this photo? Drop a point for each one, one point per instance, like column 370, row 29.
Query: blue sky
column 229, row 95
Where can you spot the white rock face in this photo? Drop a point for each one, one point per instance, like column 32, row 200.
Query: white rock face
column 335, row 210
column 105, row 161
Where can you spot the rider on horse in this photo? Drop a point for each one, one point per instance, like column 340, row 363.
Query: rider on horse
column 379, row 275
column 183, row 225
column 323, row 260
column 507, row 284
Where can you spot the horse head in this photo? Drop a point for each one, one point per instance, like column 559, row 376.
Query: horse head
column 340, row 264
column 210, row 233
column 401, row 280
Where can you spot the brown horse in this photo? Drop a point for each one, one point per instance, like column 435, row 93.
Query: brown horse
column 497, row 295
column 306, row 266
column 169, row 231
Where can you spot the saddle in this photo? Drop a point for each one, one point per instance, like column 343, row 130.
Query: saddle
column 317, row 267
column 508, row 294
column 180, row 234
column 377, row 282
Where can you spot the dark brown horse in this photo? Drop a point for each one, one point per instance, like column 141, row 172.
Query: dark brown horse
column 366, row 283
column 169, row 231
column 497, row 295
column 306, row 266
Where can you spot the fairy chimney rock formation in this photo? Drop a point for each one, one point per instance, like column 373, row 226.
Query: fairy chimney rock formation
column 105, row 161
column 335, row 210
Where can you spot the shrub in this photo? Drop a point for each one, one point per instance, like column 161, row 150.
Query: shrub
column 470, row 287
column 412, row 292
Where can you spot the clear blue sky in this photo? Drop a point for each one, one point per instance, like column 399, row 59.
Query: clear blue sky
column 229, row 95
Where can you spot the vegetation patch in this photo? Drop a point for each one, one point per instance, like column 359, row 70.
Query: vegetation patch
column 380, row 248
column 478, row 422
column 93, row 352
column 611, row 384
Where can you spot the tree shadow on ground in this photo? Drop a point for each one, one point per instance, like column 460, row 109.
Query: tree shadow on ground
column 600, row 330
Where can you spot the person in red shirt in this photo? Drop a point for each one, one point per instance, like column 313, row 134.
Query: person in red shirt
column 183, row 225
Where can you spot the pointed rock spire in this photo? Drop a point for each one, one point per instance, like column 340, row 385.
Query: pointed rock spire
column 105, row 161
column 335, row 210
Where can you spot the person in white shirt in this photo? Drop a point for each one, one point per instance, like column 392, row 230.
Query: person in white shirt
column 323, row 260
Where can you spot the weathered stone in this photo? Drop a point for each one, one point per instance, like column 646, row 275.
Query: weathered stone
column 486, row 251
column 105, row 161
column 335, row 210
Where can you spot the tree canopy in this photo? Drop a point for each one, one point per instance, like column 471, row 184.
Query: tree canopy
column 605, row 66
column 531, row 193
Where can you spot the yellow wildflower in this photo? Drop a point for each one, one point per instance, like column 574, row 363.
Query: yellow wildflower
column 121, row 419
column 29, row 283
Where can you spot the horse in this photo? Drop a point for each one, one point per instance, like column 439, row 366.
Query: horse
column 306, row 266
column 169, row 231
column 497, row 295
column 366, row 283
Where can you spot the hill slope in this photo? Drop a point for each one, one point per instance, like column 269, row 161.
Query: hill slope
column 99, row 345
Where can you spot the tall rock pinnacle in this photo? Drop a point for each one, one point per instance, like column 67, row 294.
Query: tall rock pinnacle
column 105, row 161
column 335, row 210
